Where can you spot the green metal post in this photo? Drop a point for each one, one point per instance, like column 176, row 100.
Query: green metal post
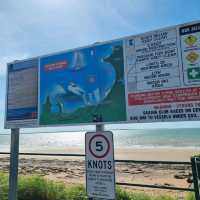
column 195, row 178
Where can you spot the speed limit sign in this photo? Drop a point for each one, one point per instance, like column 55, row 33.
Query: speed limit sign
column 100, row 166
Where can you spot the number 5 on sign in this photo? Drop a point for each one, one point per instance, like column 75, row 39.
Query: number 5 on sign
column 100, row 166
column 99, row 146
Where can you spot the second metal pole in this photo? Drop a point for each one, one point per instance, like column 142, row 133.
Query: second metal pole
column 99, row 127
column 195, row 178
column 14, row 157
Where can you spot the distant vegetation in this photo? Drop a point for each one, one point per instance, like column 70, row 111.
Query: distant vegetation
column 39, row 188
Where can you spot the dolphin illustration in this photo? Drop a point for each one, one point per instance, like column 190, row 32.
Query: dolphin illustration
column 77, row 90
column 74, row 88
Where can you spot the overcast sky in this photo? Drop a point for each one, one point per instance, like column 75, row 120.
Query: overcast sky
column 35, row 27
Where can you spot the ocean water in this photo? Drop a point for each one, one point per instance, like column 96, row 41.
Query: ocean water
column 142, row 138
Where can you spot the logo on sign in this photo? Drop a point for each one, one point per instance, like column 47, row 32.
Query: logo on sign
column 194, row 73
column 56, row 65
column 191, row 40
column 192, row 57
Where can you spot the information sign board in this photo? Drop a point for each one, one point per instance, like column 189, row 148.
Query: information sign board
column 81, row 85
column 163, row 75
column 22, row 94
column 100, row 166
column 150, row 77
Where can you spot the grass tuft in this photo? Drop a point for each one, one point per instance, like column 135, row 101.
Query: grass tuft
column 38, row 188
column 190, row 196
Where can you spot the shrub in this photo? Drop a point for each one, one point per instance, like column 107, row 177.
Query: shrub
column 38, row 188
column 190, row 196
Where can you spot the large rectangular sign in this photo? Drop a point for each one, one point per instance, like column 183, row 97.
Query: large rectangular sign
column 83, row 85
column 100, row 166
column 150, row 77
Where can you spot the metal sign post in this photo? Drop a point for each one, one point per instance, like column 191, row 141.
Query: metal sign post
column 100, row 166
column 14, row 154
column 195, row 177
column 99, row 127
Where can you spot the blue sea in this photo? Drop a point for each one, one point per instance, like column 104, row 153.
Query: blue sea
column 141, row 138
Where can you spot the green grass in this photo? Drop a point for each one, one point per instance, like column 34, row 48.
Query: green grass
column 38, row 188
column 190, row 196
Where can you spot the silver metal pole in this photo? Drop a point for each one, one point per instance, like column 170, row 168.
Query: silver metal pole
column 14, row 154
column 99, row 127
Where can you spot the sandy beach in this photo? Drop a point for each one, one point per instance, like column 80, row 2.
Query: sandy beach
column 162, row 154
column 71, row 170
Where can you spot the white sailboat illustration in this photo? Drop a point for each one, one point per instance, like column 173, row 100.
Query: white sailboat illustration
column 78, row 61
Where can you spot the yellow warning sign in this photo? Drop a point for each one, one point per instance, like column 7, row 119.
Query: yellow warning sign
column 191, row 40
column 192, row 56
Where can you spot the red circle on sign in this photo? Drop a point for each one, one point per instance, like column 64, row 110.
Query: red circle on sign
column 107, row 151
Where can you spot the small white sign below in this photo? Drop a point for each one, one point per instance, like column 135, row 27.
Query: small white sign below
column 100, row 166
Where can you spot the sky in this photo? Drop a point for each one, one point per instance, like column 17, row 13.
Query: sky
column 31, row 28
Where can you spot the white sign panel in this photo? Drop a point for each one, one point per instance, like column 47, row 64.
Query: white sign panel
column 163, row 75
column 100, row 167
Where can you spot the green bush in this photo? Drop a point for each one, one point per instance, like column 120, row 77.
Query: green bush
column 3, row 186
column 36, row 187
column 76, row 193
column 39, row 188
column 165, row 197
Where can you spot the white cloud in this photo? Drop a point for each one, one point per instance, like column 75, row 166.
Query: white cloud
column 51, row 25
column 40, row 27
